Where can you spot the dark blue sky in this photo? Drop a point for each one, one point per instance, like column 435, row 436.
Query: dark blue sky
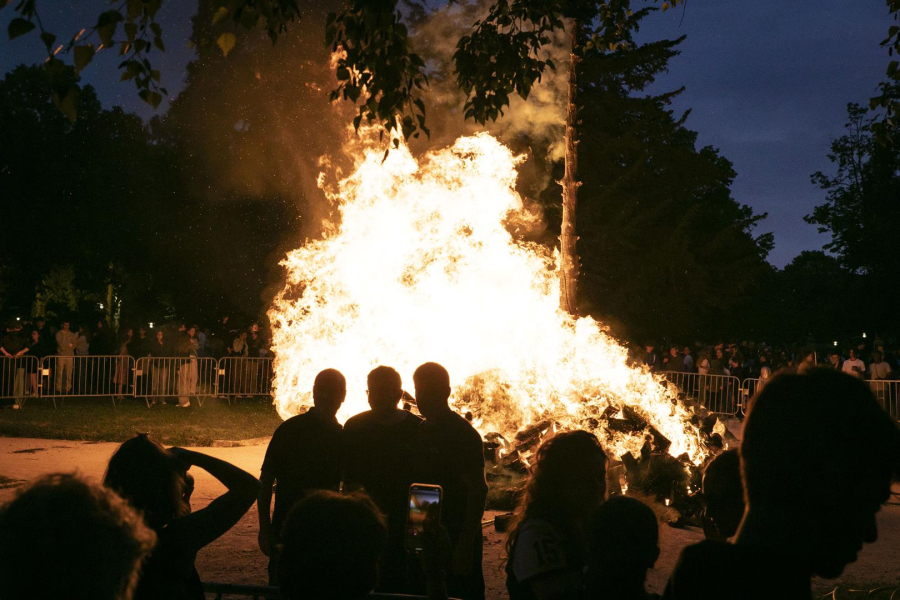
column 768, row 82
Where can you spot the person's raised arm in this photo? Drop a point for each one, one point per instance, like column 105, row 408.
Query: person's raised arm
column 204, row 526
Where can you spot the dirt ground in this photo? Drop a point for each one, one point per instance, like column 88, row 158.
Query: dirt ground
column 235, row 558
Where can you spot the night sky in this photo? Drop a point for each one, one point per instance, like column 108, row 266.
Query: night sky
column 768, row 82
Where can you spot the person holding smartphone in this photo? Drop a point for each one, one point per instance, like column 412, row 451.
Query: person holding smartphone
column 380, row 447
column 453, row 458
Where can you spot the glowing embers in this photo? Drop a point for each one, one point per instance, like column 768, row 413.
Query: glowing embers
column 423, row 267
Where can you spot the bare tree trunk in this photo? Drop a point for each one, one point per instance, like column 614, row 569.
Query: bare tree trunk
column 569, row 264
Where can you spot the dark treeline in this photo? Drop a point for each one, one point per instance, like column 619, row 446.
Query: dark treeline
column 188, row 215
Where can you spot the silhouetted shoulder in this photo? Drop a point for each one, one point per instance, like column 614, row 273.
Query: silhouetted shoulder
column 714, row 570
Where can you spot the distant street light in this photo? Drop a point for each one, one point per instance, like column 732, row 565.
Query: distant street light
column 151, row 325
column 864, row 334
column 101, row 306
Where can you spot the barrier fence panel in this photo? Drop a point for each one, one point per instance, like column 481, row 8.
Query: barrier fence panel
column 749, row 387
column 18, row 379
column 717, row 393
column 68, row 376
column 888, row 394
column 162, row 379
column 243, row 376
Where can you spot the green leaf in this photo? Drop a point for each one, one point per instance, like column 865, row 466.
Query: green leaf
column 131, row 30
column 83, row 56
column 150, row 97
column 157, row 41
column 67, row 103
column 156, row 29
column 48, row 39
column 220, row 15
column 226, row 42
column 19, row 27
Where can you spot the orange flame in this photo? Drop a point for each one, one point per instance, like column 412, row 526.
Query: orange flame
column 423, row 267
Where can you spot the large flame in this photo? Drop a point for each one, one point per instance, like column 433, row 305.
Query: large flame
column 423, row 267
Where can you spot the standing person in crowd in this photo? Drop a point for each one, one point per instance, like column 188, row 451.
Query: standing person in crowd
column 547, row 543
column 854, row 366
column 806, row 358
column 123, row 364
column 879, row 370
column 161, row 352
column 651, row 359
column 82, row 351
column 623, row 546
column 66, row 340
column 380, row 445
column 37, row 350
column 201, row 340
column 186, row 349
column 765, row 369
column 453, row 457
column 90, row 550
column 688, row 360
column 675, row 361
column 254, row 351
column 12, row 372
column 140, row 348
column 156, row 482
column 834, row 361
column 239, row 373
column 303, row 456
column 817, row 458
column 101, row 342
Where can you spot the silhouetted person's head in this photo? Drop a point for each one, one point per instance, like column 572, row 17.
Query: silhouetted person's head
column 432, row 389
column 331, row 546
column 624, row 544
column 145, row 474
column 724, row 494
column 568, row 476
column 818, row 456
column 385, row 389
column 62, row 537
column 329, row 391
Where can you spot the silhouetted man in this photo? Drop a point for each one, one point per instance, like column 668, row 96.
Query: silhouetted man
column 724, row 495
column 817, row 458
column 303, row 456
column 624, row 545
column 453, row 457
column 380, row 448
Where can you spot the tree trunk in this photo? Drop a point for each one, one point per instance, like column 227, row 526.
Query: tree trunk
column 568, row 261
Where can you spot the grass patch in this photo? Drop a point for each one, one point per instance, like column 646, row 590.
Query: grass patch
column 95, row 419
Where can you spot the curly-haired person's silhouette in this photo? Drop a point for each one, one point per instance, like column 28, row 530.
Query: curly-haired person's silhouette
column 818, row 456
column 62, row 537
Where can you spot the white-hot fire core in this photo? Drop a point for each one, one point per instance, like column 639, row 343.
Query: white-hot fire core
column 423, row 267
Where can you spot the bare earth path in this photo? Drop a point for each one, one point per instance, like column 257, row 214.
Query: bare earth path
column 235, row 558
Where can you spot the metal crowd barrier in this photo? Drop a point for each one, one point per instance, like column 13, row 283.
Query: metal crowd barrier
column 68, row 376
column 243, row 376
column 719, row 394
column 887, row 392
column 19, row 378
column 149, row 378
column 749, row 387
column 160, row 378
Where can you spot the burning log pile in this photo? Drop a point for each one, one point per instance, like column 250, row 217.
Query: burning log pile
column 673, row 482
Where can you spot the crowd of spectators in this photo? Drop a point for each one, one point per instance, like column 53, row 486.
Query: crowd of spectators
column 65, row 340
column 796, row 501
column 749, row 360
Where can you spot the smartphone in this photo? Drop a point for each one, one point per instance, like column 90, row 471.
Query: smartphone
column 424, row 499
